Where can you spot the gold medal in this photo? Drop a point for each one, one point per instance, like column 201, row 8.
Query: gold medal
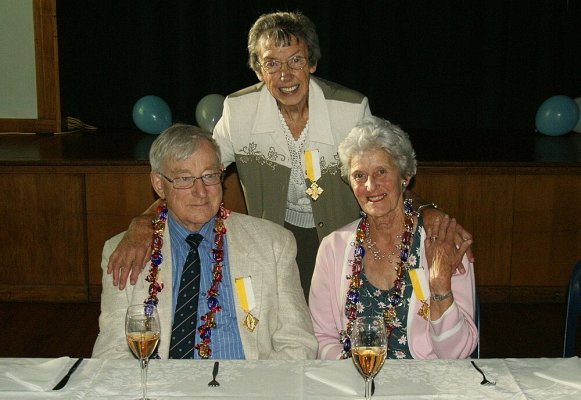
column 314, row 191
column 250, row 322
column 313, row 172
column 245, row 292
column 424, row 310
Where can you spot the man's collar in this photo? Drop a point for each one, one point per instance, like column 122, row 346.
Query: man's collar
column 180, row 233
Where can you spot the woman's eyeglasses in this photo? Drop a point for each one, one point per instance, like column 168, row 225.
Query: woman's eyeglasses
column 273, row 66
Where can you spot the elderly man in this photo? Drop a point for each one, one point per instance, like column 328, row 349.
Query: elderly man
column 245, row 289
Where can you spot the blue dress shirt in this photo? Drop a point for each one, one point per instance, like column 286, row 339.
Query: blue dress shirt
column 226, row 342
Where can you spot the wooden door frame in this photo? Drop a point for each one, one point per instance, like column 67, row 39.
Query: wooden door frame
column 47, row 74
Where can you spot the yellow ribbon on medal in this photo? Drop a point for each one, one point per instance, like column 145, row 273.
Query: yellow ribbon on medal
column 420, row 289
column 313, row 172
column 246, row 298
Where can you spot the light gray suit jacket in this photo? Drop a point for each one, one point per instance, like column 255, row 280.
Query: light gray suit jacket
column 257, row 248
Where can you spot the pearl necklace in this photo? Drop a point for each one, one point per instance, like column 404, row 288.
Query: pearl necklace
column 377, row 254
column 395, row 298
column 208, row 319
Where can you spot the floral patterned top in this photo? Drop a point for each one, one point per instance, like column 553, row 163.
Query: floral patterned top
column 372, row 302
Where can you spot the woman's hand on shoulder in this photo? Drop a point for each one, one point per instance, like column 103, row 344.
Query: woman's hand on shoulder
column 132, row 252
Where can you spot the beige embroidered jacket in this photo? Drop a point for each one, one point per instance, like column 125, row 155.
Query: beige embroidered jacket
column 251, row 135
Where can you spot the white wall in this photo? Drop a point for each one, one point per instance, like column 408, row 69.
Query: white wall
column 17, row 60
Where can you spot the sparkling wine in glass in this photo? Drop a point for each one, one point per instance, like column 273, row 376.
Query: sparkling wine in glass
column 368, row 348
column 142, row 331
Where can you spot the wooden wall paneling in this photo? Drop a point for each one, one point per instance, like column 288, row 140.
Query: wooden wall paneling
column 47, row 70
column 441, row 186
column 43, row 237
column 482, row 203
column 547, row 229
column 113, row 199
column 488, row 215
column 119, row 193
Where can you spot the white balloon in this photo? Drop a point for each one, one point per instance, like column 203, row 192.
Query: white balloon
column 577, row 127
column 209, row 111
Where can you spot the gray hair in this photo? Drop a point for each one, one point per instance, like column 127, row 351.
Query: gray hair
column 280, row 27
column 376, row 133
column 178, row 142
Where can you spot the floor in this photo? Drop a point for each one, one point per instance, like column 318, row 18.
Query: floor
column 70, row 329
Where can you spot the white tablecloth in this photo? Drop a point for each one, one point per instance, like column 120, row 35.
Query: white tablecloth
column 405, row 379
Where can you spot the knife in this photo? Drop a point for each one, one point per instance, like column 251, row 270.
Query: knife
column 65, row 379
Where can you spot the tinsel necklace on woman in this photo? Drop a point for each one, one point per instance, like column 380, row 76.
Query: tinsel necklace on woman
column 395, row 298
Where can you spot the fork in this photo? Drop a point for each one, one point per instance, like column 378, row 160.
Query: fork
column 485, row 380
column 214, row 382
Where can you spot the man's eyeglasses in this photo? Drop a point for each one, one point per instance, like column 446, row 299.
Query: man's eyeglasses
column 273, row 66
column 186, row 182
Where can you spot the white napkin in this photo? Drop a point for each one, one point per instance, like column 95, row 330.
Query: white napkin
column 330, row 377
column 33, row 376
column 566, row 372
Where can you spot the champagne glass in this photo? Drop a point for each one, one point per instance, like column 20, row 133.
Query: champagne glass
column 368, row 348
column 142, row 331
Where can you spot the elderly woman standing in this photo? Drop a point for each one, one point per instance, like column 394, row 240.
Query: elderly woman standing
column 386, row 263
column 283, row 134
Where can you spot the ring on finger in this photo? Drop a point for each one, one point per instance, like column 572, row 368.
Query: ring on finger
column 433, row 238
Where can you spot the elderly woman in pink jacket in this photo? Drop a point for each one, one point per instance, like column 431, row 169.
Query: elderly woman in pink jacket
column 387, row 264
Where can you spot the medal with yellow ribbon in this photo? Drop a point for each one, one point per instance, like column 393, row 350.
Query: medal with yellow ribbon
column 246, row 299
column 313, row 171
column 420, row 286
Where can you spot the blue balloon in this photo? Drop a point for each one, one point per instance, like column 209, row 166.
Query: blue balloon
column 577, row 127
column 151, row 114
column 209, row 111
column 557, row 115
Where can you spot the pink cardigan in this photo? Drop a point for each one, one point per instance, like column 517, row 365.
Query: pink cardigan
column 454, row 335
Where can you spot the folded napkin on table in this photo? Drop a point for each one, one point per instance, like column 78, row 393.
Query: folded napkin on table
column 33, row 375
column 566, row 372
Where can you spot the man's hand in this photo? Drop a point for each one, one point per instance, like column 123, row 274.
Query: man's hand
column 132, row 253
column 462, row 238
